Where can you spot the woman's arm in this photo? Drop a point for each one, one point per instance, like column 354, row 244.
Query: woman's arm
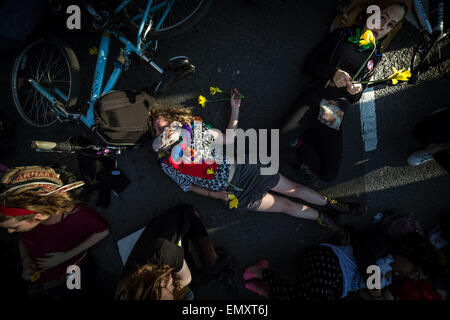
column 184, row 274
column 317, row 62
column 28, row 266
column 222, row 195
column 230, row 133
column 56, row 258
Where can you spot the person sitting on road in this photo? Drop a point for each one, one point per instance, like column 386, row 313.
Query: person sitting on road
column 156, row 268
column 56, row 230
column 332, row 272
column 251, row 190
column 313, row 125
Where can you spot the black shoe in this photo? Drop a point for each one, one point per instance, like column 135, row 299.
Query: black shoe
column 224, row 262
column 226, row 278
column 353, row 208
column 330, row 222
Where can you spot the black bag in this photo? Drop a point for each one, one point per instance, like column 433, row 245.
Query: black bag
column 122, row 117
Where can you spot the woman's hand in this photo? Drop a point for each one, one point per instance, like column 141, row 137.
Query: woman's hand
column 28, row 268
column 342, row 79
column 221, row 195
column 354, row 88
column 52, row 260
column 235, row 102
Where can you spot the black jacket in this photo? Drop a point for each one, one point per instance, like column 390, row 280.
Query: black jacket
column 336, row 52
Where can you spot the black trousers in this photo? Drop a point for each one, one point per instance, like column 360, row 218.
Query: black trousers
column 321, row 148
column 435, row 129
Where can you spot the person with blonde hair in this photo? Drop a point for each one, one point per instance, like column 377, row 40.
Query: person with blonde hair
column 56, row 230
column 242, row 186
column 160, row 262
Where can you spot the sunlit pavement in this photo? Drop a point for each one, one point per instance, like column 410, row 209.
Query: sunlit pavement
column 259, row 49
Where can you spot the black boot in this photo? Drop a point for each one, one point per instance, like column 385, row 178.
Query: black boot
column 353, row 208
column 330, row 222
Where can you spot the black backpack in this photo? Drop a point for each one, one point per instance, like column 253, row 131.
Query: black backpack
column 122, row 117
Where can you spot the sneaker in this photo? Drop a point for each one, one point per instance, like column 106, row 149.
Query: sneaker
column 226, row 277
column 253, row 271
column 422, row 156
column 329, row 222
column 353, row 208
column 259, row 287
column 225, row 262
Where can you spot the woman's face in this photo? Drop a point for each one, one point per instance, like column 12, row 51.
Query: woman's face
column 405, row 267
column 167, row 289
column 14, row 225
column 159, row 124
column 390, row 17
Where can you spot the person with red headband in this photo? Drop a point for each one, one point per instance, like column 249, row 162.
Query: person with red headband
column 338, row 65
column 56, row 229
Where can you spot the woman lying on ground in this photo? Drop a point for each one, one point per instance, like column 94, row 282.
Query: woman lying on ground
column 56, row 230
column 245, row 181
column 156, row 268
column 313, row 124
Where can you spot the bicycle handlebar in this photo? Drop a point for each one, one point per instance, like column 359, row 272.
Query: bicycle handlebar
column 54, row 146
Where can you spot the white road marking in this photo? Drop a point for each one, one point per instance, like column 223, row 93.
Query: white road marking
column 368, row 119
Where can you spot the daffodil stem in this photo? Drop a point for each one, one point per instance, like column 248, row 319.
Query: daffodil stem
column 365, row 62
column 229, row 183
column 370, row 82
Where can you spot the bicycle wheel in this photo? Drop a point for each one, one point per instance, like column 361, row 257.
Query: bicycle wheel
column 183, row 15
column 435, row 63
column 55, row 67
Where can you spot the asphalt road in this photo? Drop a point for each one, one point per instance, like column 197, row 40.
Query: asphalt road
column 258, row 49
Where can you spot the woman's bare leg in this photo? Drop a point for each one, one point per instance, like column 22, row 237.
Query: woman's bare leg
column 274, row 203
column 296, row 190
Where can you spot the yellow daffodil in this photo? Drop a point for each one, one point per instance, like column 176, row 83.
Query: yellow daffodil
column 209, row 171
column 233, row 201
column 202, row 101
column 35, row 276
column 366, row 38
column 400, row 75
column 214, row 90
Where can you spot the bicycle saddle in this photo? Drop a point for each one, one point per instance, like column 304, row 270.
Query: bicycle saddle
column 178, row 68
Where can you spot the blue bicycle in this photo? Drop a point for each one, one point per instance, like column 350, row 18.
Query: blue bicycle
column 46, row 75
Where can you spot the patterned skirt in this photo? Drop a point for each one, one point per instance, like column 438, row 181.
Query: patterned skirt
column 319, row 277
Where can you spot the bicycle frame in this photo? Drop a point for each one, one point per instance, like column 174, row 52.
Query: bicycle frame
column 422, row 51
column 119, row 65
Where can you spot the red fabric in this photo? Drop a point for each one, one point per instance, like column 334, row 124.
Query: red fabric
column 15, row 212
column 414, row 289
column 61, row 237
column 194, row 169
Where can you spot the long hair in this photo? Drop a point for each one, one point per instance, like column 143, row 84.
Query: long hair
column 355, row 15
column 180, row 114
column 145, row 283
column 31, row 200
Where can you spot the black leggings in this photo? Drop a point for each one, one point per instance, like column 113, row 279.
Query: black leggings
column 435, row 129
column 321, row 148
